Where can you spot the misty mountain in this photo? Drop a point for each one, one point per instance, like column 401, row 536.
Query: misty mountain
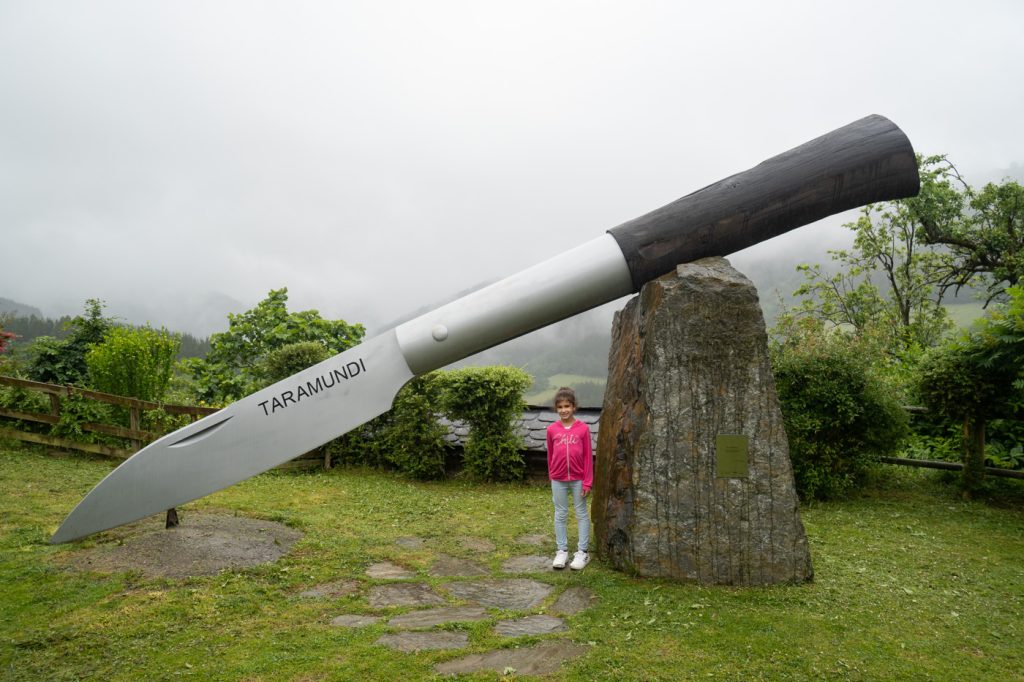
column 9, row 307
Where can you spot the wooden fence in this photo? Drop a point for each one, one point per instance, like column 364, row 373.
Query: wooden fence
column 134, row 434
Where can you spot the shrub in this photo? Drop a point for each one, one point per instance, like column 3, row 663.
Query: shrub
column 133, row 361
column 414, row 440
column 285, row 361
column 840, row 415
column 490, row 400
column 62, row 361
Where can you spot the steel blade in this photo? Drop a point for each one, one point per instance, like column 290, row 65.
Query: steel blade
column 246, row 438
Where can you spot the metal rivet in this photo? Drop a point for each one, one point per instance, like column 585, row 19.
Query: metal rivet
column 439, row 332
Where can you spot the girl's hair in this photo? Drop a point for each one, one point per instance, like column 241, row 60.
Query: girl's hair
column 565, row 393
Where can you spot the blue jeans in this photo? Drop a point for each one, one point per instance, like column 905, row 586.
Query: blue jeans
column 560, row 496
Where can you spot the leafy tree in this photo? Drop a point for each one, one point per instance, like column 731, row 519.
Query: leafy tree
column 133, row 361
column 62, row 361
column 979, row 377
column 890, row 277
column 986, row 244
column 233, row 367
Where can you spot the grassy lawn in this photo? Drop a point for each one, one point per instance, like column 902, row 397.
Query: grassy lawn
column 911, row 583
column 554, row 383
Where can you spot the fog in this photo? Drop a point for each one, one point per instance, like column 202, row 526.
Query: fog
column 179, row 160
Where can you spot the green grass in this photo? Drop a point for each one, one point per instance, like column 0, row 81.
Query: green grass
column 964, row 314
column 911, row 583
column 555, row 382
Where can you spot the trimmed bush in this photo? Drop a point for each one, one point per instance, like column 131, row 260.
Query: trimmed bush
column 840, row 415
column 490, row 400
column 414, row 440
column 280, row 363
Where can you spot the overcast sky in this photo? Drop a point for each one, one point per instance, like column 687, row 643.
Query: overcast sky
column 374, row 157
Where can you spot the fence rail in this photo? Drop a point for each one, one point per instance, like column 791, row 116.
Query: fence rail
column 135, row 434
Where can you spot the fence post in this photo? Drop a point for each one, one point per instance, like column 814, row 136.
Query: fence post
column 134, row 412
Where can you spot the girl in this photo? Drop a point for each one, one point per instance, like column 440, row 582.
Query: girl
column 571, row 470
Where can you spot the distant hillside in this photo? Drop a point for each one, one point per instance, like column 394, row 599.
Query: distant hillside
column 9, row 307
column 27, row 328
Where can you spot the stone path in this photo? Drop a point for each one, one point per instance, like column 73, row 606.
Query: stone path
column 432, row 625
column 428, row 619
column 517, row 594
column 533, row 563
column 541, row 659
column 445, row 566
column 531, row 625
column 388, row 571
column 403, row 594
column 423, row 641
column 354, row 621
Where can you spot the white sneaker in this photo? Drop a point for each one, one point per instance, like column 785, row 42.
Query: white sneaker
column 561, row 556
column 579, row 560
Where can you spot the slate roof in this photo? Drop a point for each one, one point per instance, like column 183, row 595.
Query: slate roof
column 532, row 427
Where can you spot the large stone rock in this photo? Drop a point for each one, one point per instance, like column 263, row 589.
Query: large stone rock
column 689, row 362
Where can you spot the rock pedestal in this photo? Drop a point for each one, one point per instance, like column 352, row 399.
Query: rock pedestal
column 688, row 363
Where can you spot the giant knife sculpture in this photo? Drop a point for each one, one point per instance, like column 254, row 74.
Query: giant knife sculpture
column 867, row 161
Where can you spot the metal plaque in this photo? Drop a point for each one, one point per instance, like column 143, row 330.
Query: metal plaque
column 731, row 455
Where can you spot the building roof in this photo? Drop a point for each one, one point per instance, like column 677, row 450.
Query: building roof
column 532, row 427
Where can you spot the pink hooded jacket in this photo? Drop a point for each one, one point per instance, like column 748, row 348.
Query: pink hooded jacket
column 569, row 454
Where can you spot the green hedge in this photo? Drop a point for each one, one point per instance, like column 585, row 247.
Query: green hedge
column 840, row 415
column 409, row 438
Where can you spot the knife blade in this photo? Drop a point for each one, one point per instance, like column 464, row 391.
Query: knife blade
column 867, row 161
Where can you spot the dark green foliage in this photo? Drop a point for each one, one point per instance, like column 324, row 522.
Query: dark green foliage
column 62, row 361
column 285, row 361
column 232, row 368
column 489, row 399
column 414, row 440
column 77, row 410
column 407, row 437
column 840, row 416
column 133, row 361
column 977, row 378
column 985, row 243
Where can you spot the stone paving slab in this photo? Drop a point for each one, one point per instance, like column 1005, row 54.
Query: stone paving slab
column 354, row 621
column 515, row 593
column 424, row 641
column 386, row 570
column 531, row 563
column 536, row 539
column 332, row 590
column 404, row 594
column 446, row 566
column 432, row 617
column 530, row 625
column 573, row 600
column 474, row 544
column 410, row 542
column 542, row 659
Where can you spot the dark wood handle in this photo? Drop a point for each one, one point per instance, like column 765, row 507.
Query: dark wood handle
column 867, row 161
